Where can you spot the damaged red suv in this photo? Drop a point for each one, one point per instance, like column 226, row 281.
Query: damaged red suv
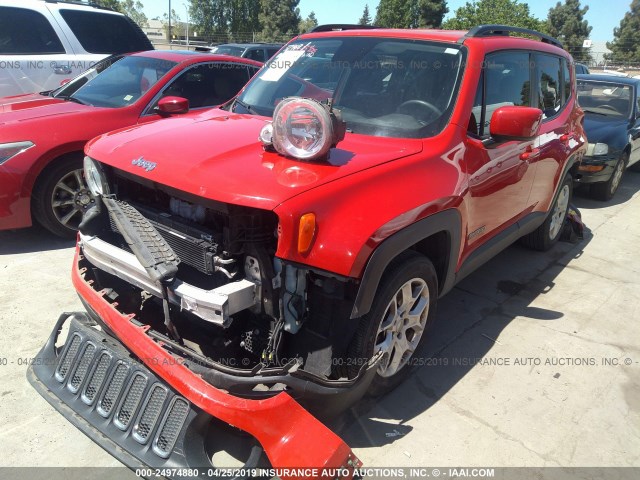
column 284, row 254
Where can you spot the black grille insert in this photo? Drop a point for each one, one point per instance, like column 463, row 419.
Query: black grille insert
column 130, row 401
column 149, row 413
column 96, row 378
column 113, row 389
column 170, row 427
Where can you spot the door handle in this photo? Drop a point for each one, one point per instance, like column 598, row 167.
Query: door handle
column 530, row 153
column 62, row 70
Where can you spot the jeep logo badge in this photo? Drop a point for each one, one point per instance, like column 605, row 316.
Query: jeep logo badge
column 141, row 162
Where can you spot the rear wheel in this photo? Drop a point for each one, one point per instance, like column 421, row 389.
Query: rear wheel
column 395, row 326
column 547, row 234
column 605, row 191
column 60, row 197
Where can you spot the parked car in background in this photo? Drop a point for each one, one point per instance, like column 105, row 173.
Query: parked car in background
column 260, row 52
column 581, row 68
column 42, row 135
column 612, row 125
column 45, row 43
column 292, row 245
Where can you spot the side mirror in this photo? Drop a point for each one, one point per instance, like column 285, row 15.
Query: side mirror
column 172, row 105
column 515, row 123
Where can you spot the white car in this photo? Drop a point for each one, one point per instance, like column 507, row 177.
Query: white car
column 46, row 43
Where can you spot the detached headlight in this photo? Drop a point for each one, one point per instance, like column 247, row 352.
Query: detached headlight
column 303, row 128
column 95, row 177
column 8, row 150
column 597, row 149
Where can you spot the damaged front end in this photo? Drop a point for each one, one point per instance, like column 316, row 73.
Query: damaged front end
column 192, row 289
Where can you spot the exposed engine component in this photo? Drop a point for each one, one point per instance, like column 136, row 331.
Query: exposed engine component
column 195, row 213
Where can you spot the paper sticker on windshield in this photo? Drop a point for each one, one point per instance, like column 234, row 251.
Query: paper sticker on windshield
column 279, row 66
column 128, row 97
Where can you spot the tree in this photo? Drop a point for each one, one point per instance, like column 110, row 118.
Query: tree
column 429, row 13
column 411, row 13
column 309, row 24
column 393, row 14
column 134, row 10
column 175, row 21
column 366, row 17
column 504, row 12
column 625, row 47
column 566, row 23
column 244, row 18
column 280, row 19
column 112, row 4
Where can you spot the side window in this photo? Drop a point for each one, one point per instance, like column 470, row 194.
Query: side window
column 209, row 84
column 507, row 82
column 548, row 75
column 106, row 33
column 256, row 54
column 25, row 32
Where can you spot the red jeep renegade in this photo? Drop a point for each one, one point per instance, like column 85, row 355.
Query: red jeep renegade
column 289, row 248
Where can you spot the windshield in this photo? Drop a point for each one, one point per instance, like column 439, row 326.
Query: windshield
column 115, row 82
column 605, row 98
column 383, row 86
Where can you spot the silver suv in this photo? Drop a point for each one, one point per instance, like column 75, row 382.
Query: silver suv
column 45, row 43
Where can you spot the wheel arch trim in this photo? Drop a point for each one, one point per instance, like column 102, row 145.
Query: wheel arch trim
column 448, row 221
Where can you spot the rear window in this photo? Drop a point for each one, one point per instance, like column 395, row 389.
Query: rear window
column 25, row 32
column 106, row 33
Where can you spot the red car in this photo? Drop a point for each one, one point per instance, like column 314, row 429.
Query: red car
column 42, row 135
column 297, row 259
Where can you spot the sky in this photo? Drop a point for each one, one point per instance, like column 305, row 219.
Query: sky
column 603, row 15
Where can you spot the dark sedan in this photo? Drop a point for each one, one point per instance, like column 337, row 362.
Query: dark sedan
column 612, row 125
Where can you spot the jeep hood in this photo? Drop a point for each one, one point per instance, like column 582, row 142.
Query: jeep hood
column 217, row 155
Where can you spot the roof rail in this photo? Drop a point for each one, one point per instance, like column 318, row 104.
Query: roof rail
column 85, row 4
column 338, row 27
column 505, row 30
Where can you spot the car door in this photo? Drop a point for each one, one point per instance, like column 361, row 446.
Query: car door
column 500, row 173
column 205, row 85
column 555, row 140
column 31, row 47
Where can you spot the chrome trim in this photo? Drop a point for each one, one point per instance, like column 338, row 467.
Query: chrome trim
column 215, row 306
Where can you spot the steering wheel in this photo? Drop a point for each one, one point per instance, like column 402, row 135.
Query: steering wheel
column 422, row 104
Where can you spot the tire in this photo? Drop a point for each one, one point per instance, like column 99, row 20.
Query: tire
column 605, row 191
column 546, row 235
column 408, row 270
column 60, row 196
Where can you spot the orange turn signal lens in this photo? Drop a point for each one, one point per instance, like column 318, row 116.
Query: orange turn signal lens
column 306, row 232
column 591, row 168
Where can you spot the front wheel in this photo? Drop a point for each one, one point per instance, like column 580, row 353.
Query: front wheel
column 395, row 326
column 605, row 191
column 547, row 234
column 60, row 197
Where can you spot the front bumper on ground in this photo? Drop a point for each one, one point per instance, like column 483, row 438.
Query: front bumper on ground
column 97, row 385
column 608, row 163
column 291, row 437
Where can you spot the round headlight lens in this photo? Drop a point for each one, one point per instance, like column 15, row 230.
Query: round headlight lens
column 95, row 177
column 302, row 128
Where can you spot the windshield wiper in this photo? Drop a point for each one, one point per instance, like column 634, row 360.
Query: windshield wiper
column 246, row 106
column 69, row 98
